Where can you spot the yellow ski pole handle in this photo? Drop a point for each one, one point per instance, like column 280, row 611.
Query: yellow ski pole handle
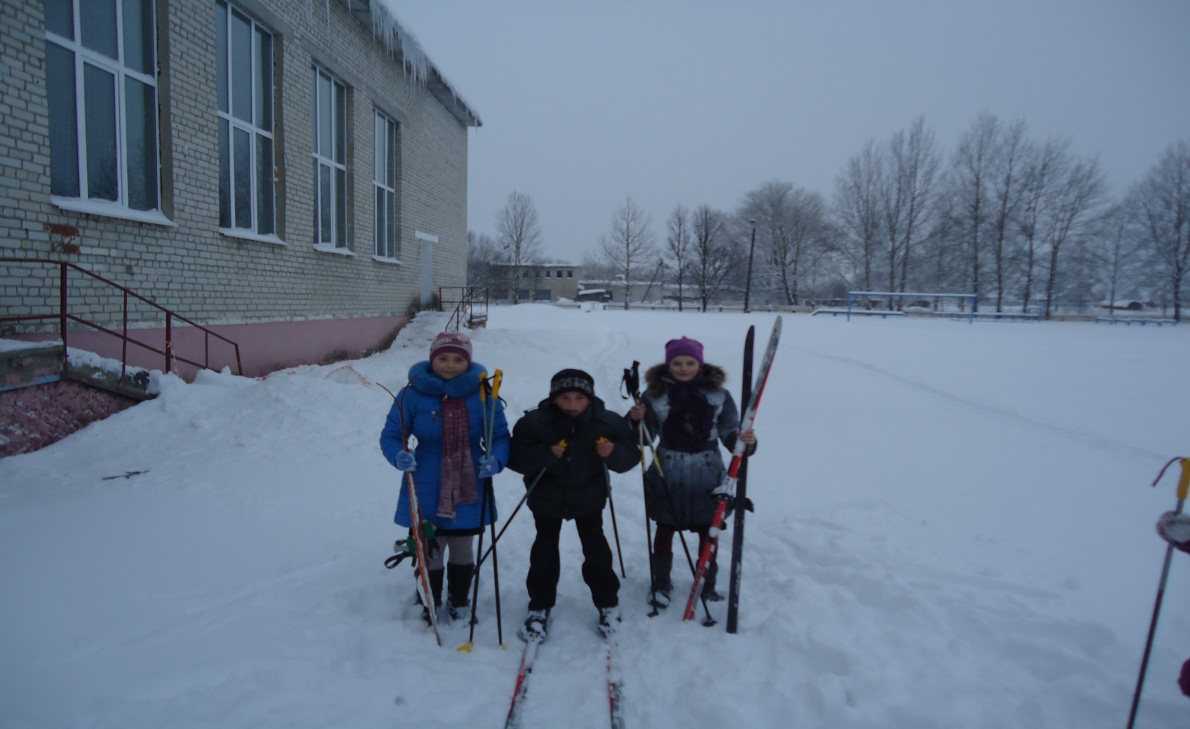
column 496, row 380
column 483, row 391
column 1183, row 480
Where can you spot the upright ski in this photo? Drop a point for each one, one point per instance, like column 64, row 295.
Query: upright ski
column 741, row 489
column 519, row 693
column 417, row 530
column 727, row 490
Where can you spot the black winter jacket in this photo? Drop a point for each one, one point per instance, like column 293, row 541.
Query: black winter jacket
column 574, row 485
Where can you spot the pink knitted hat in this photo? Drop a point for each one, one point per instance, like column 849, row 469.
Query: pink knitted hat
column 684, row 346
column 451, row 342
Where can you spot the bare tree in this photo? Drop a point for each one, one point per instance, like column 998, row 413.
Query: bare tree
column 677, row 246
column 800, row 236
column 520, row 235
column 906, row 197
column 1113, row 253
column 857, row 212
column 1006, row 196
column 482, row 252
column 970, row 180
column 1040, row 169
column 1160, row 204
column 985, row 180
column 712, row 258
column 769, row 205
column 631, row 242
column 1079, row 190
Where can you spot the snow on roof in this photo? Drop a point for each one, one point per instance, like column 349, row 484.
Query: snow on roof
column 388, row 31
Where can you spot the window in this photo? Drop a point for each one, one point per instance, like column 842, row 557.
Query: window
column 244, row 85
column 330, row 160
column 101, row 71
column 385, row 183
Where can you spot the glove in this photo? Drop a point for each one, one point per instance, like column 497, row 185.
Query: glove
column 489, row 467
column 1174, row 528
column 405, row 461
column 732, row 503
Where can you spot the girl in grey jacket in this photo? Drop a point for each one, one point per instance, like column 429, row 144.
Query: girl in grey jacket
column 686, row 406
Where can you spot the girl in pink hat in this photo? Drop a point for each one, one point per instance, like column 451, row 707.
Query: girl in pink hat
column 686, row 406
column 439, row 415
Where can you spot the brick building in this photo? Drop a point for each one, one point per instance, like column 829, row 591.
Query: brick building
column 291, row 173
column 536, row 281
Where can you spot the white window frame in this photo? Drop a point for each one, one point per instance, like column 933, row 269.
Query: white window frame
column 387, row 232
column 330, row 165
column 84, row 58
column 260, row 216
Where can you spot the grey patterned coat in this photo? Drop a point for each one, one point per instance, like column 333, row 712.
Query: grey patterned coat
column 690, row 420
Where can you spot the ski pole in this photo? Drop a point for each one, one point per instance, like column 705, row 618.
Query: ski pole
column 508, row 523
column 1183, row 491
column 607, row 478
column 487, row 392
column 491, row 499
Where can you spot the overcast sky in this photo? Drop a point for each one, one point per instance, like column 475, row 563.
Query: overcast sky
column 587, row 103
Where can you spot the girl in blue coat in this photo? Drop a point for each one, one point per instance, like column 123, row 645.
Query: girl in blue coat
column 436, row 429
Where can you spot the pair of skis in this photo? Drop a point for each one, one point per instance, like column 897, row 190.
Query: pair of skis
column 735, row 481
column 529, row 656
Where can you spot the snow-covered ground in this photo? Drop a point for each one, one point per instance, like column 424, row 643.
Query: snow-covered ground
column 954, row 528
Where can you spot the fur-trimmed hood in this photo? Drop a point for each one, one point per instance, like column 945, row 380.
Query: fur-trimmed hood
column 657, row 379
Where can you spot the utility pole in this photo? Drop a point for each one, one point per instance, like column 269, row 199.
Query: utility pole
column 748, row 282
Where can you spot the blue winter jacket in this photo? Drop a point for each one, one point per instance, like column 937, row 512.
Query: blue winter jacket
column 418, row 406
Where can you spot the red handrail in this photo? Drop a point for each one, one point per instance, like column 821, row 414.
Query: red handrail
column 64, row 317
column 471, row 302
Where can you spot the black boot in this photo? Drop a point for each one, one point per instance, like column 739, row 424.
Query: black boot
column 458, row 588
column 708, row 586
column 659, row 594
column 436, row 591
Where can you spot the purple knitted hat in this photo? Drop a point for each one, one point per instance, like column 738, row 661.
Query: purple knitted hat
column 451, row 342
column 684, row 346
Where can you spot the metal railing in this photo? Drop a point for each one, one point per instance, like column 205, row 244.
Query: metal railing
column 65, row 318
column 470, row 305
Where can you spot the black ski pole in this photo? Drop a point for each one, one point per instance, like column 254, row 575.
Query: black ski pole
column 487, row 393
column 607, row 478
column 508, row 523
column 1183, row 491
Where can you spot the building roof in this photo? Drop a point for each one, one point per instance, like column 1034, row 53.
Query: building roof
column 388, row 31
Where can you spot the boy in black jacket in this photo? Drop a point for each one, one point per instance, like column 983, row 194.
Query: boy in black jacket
column 570, row 440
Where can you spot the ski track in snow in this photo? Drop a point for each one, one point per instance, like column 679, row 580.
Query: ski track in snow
column 1081, row 437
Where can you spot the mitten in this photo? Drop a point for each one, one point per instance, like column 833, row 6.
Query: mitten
column 405, row 461
column 489, row 467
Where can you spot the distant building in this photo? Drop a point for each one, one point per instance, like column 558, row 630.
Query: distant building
column 291, row 174
column 536, row 282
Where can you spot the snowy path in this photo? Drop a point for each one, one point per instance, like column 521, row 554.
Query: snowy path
column 954, row 528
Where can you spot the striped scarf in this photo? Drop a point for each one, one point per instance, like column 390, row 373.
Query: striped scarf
column 458, row 474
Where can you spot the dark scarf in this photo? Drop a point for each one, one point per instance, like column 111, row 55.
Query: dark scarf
column 458, row 474
column 689, row 423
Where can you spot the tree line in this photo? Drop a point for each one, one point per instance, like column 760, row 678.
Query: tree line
column 1023, row 224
